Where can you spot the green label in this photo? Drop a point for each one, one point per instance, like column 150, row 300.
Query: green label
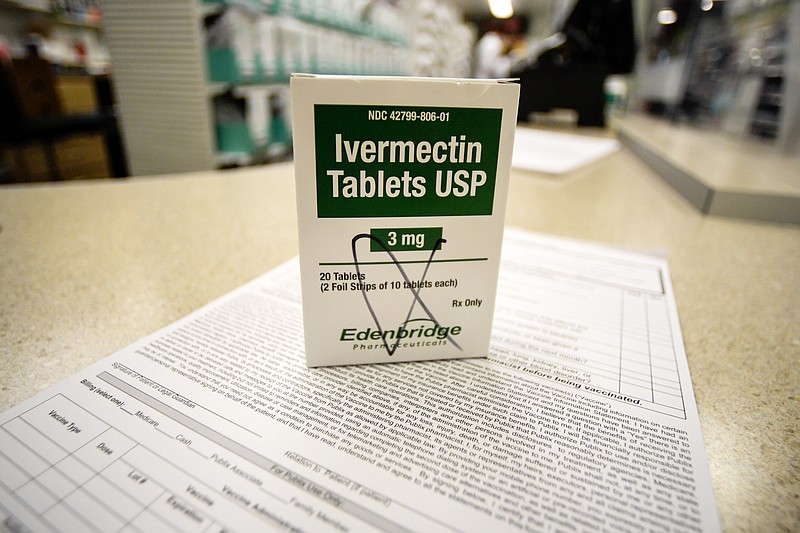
column 404, row 161
column 405, row 239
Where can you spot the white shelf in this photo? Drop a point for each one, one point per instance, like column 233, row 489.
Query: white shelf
column 160, row 79
column 161, row 70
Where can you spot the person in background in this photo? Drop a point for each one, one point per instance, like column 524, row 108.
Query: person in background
column 491, row 54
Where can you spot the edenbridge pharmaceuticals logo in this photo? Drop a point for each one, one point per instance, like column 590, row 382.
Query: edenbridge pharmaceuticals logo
column 416, row 333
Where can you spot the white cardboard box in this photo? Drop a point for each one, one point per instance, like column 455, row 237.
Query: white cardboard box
column 401, row 195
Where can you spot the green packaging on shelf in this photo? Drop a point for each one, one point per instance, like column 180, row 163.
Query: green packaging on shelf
column 401, row 193
column 234, row 137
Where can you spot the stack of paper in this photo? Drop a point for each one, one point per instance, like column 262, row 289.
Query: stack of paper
column 557, row 153
column 582, row 418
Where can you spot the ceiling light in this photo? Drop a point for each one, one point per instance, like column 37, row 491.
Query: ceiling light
column 667, row 16
column 501, row 9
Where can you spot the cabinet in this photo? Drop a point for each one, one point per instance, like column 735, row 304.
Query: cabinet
column 83, row 155
column 740, row 74
column 69, row 35
column 765, row 92
column 203, row 85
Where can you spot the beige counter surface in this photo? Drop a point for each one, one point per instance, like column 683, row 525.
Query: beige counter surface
column 86, row 268
column 718, row 173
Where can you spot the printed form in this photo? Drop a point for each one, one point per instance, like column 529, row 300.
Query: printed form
column 582, row 418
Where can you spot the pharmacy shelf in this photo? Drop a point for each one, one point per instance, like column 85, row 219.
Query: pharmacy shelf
column 172, row 91
column 17, row 16
column 160, row 80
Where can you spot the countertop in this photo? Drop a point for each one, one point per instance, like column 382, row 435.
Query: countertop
column 89, row 267
column 719, row 174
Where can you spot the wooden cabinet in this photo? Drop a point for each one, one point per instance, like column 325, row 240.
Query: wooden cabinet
column 69, row 41
column 80, row 156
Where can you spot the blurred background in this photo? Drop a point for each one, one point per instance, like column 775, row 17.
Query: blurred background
column 94, row 89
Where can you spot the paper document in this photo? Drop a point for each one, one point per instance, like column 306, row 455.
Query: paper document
column 581, row 418
column 557, row 153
